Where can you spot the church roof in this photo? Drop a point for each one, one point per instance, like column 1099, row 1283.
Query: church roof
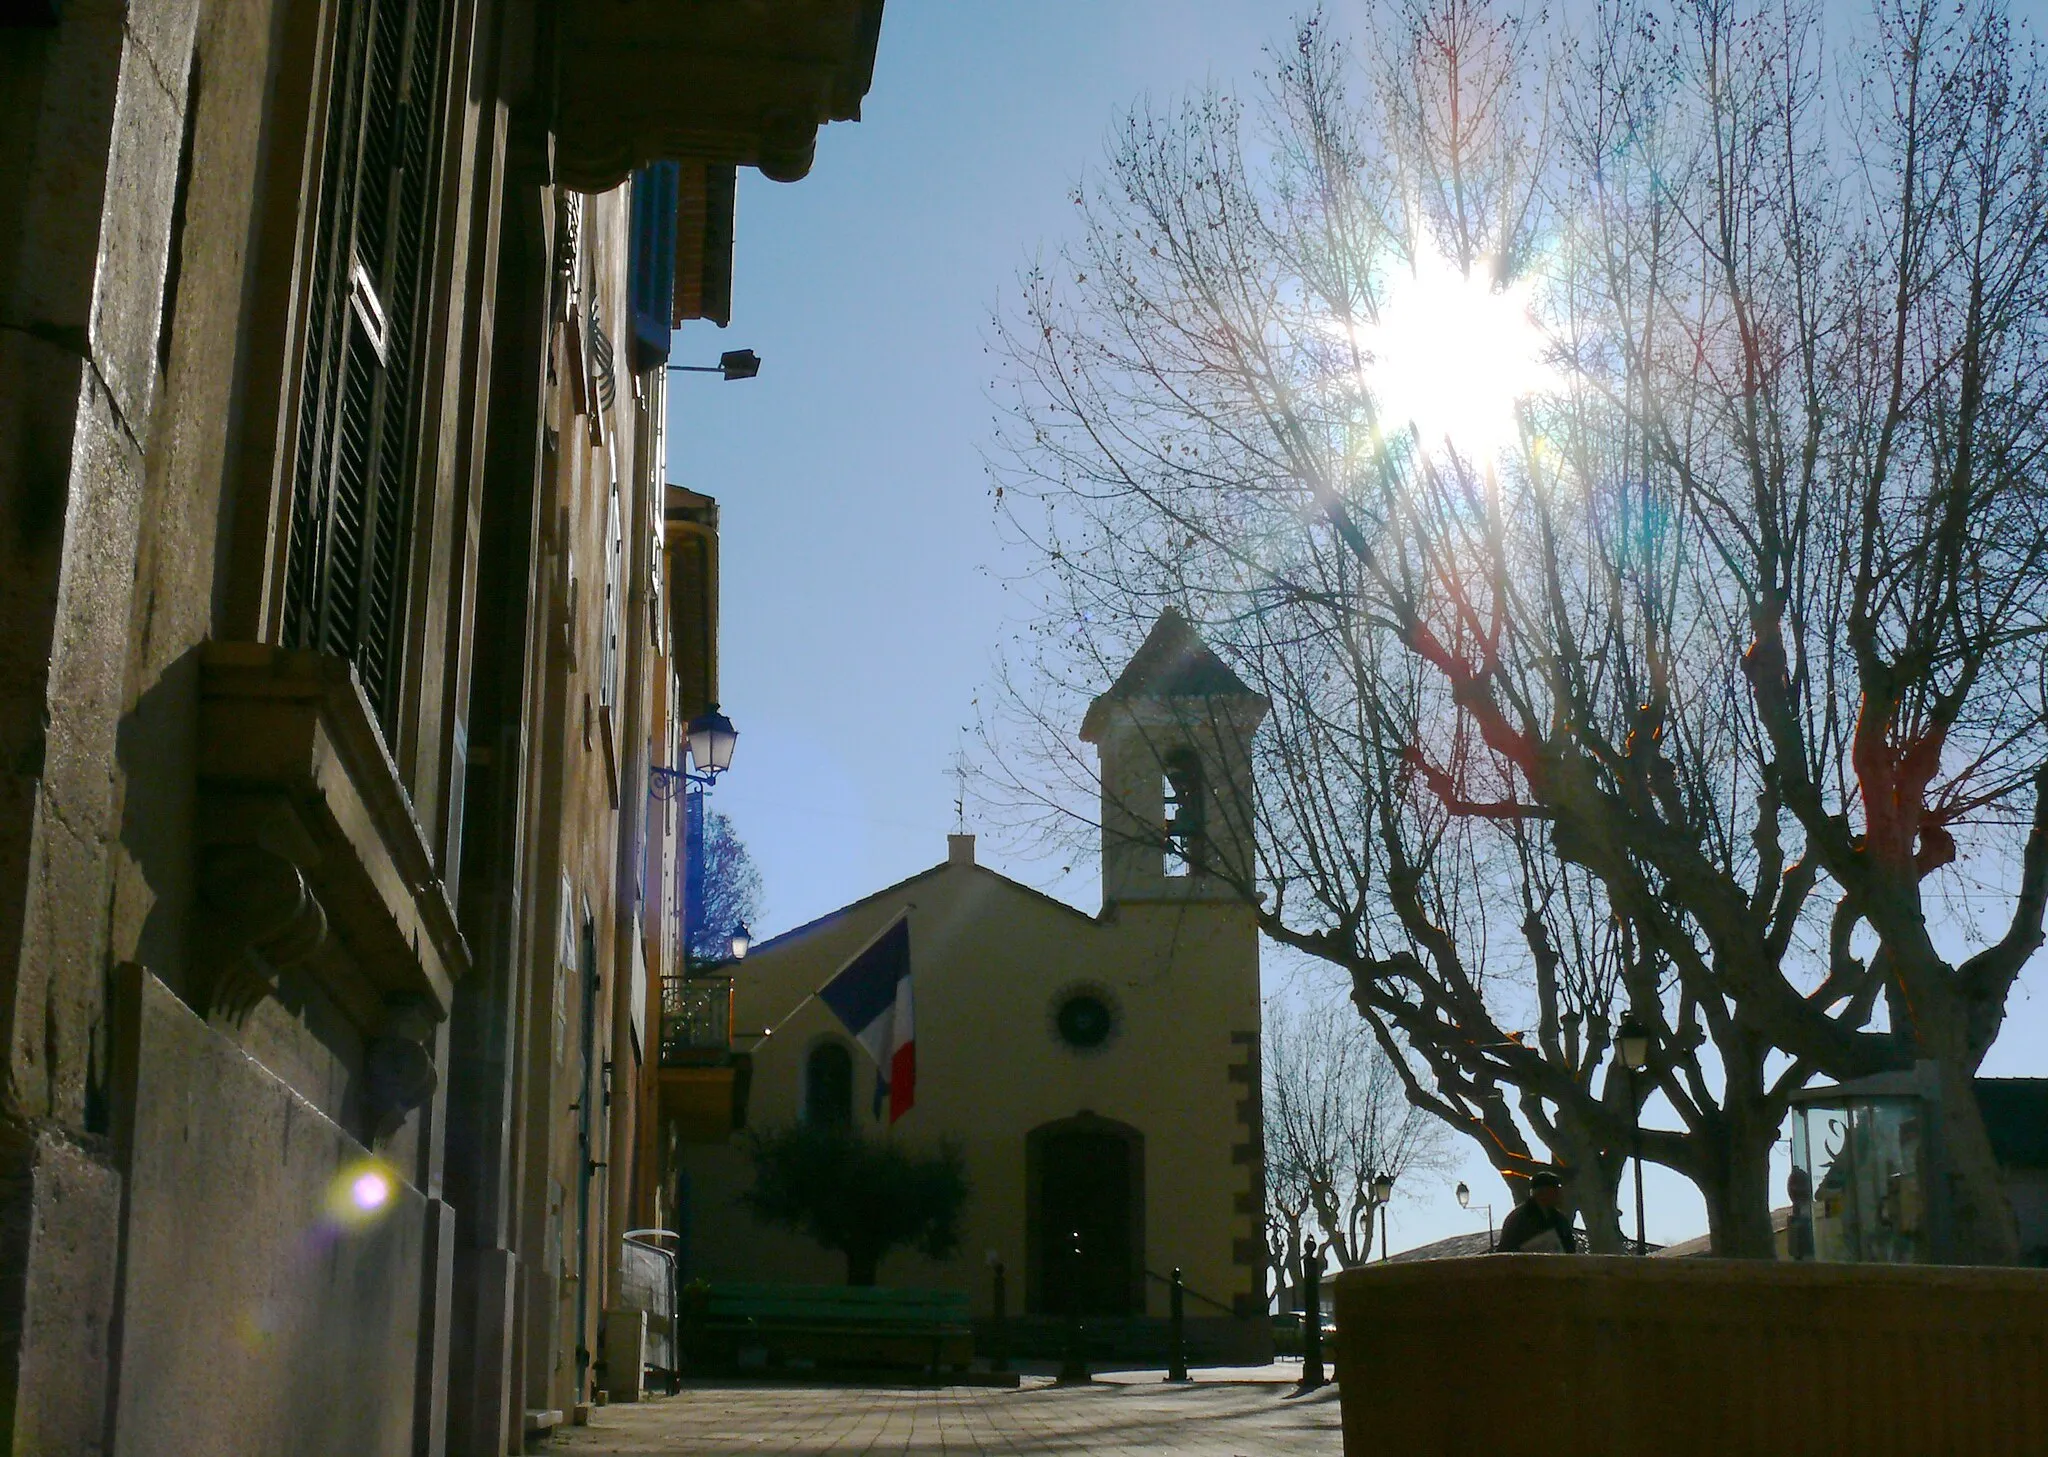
column 1174, row 662
column 890, row 892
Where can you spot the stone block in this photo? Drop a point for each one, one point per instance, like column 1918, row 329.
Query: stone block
column 75, row 602
column 437, row 1312
column 135, row 231
column 480, row 1360
column 625, row 1353
column 60, row 1208
column 265, row 1309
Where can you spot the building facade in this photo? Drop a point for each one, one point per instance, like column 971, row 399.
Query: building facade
column 336, row 656
column 1099, row 1073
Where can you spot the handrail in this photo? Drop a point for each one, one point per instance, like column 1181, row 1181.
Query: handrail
column 1188, row 1289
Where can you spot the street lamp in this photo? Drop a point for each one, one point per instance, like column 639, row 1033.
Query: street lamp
column 733, row 364
column 1382, row 1191
column 1632, row 1046
column 1465, row 1202
column 742, row 941
column 711, row 738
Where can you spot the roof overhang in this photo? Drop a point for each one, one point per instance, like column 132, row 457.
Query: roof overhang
column 743, row 83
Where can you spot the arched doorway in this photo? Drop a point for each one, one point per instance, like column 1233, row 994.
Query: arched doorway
column 1085, row 1188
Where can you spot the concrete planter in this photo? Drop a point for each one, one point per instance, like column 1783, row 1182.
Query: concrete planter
column 1607, row 1355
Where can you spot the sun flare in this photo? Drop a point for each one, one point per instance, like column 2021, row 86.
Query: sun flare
column 1454, row 357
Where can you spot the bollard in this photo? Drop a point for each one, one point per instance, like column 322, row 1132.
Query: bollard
column 999, row 1354
column 1177, row 1319
column 1311, row 1316
column 1074, row 1370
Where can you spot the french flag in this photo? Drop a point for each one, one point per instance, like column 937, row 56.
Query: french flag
column 871, row 995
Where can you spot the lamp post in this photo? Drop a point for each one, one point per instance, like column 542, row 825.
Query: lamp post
column 1465, row 1202
column 733, row 364
column 709, row 740
column 1632, row 1046
column 1382, row 1191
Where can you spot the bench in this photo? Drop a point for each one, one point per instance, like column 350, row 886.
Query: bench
column 840, row 1327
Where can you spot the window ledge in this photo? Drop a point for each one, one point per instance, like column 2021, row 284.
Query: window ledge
column 309, row 850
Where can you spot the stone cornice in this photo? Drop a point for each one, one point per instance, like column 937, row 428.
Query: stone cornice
column 739, row 82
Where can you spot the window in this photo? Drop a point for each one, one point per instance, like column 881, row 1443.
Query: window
column 1185, row 828
column 614, row 581
column 1084, row 1020
column 351, row 512
column 828, row 1085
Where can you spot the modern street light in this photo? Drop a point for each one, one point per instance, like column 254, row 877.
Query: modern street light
column 733, row 364
column 1465, row 1202
column 1382, row 1191
column 1632, row 1046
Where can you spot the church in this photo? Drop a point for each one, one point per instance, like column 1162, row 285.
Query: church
column 1100, row 1073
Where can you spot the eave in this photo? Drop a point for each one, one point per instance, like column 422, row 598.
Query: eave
column 742, row 83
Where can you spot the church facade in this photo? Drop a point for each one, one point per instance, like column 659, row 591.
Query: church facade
column 1100, row 1073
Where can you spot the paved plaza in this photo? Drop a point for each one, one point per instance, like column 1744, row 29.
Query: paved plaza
column 1222, row 1415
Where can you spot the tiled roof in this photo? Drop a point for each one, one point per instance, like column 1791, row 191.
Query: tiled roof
column 1174, row 662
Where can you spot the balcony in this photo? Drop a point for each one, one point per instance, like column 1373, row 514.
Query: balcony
column 703, row 1081
column 696, row 1020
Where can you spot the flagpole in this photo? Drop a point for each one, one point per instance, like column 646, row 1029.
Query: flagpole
column 865, row 947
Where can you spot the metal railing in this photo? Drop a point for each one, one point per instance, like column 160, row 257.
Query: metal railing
column 696, row 1018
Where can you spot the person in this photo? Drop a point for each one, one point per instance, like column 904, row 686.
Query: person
column 1539, row 1225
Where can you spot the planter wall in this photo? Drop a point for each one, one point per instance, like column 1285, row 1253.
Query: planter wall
column 1609, row 1355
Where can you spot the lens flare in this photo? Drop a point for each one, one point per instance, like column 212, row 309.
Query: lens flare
column 1454, row 356
column 361, row 1193
column 370, row 1191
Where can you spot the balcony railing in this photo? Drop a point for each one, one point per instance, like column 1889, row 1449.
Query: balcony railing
column 696, row 1019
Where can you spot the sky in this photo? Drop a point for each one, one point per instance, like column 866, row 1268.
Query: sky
column 861, row 566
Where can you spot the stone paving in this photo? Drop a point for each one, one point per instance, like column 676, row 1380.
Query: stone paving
column 1222, row 1414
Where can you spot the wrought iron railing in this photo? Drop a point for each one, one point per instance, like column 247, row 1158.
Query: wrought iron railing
column 696, row 1018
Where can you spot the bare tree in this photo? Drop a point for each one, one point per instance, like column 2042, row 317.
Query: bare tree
column 730, row 892
column 1688, row 700
column 1336, row 1115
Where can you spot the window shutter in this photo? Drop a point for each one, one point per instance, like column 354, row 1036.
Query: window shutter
column 653, row 262
column 352, row 506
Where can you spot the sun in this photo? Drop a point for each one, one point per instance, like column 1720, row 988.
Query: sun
column 1453, row 356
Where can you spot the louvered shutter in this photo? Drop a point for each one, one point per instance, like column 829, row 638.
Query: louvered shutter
column 359, row 411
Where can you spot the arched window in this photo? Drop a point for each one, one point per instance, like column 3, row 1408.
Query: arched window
column 1185, row 804
column 828, row 1085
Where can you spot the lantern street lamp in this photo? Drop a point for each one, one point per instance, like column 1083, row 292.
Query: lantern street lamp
column 1382, row 1191
column 709, row 740
column 1632, row 1047
column 1465, row 1202
column 742, row 941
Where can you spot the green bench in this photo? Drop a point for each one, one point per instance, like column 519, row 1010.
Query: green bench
column 829, row 1327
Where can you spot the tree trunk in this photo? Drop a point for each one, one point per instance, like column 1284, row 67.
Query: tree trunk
column 861, row 1266
column 1981, row 1227
column 1592, row 1186
column 1973, row 1222
column 1737, row 1189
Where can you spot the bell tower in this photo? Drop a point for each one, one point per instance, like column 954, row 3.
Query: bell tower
column 1174, row 736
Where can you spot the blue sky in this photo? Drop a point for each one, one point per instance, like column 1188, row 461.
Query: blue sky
column 862, row 597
